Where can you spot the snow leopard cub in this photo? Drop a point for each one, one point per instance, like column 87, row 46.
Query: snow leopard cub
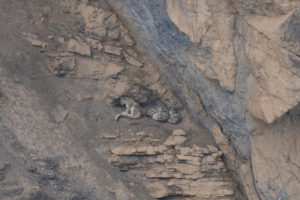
column 174, row 117
column 133, row 109
column 158, row 111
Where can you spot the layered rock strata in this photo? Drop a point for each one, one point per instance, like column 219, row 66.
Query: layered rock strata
column 169, row 168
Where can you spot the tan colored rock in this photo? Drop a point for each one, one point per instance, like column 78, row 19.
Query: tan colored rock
column 112, row 50
column 38, row 43
column 276, row 159
column 179, row 132
column 190, row 16
column 175, row 140
column 272, row 87
column 195, row 151
column 34, row 40
column 61, row 40
column 212, row 149
column 138, row 149
column 201, row 21
column 78, row 47
column 112, row 69
column 203, row 189
column 158, row 189
column 111, row 21
column 217, row 155
column 94, row 19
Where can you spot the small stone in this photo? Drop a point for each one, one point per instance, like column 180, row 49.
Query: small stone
column 179, row 132
column 38, row 43
column 112, row 50
column 78, row 47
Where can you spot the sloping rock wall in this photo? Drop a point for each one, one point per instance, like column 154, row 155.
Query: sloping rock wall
column 64, row 67
column 235, row 64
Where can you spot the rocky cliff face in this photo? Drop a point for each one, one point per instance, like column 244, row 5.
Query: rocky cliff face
column 236, row 65
column 64, row 67
column 232, row 66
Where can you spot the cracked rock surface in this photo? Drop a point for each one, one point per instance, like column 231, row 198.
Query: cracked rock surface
column 64, row 67
column 231, row 69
